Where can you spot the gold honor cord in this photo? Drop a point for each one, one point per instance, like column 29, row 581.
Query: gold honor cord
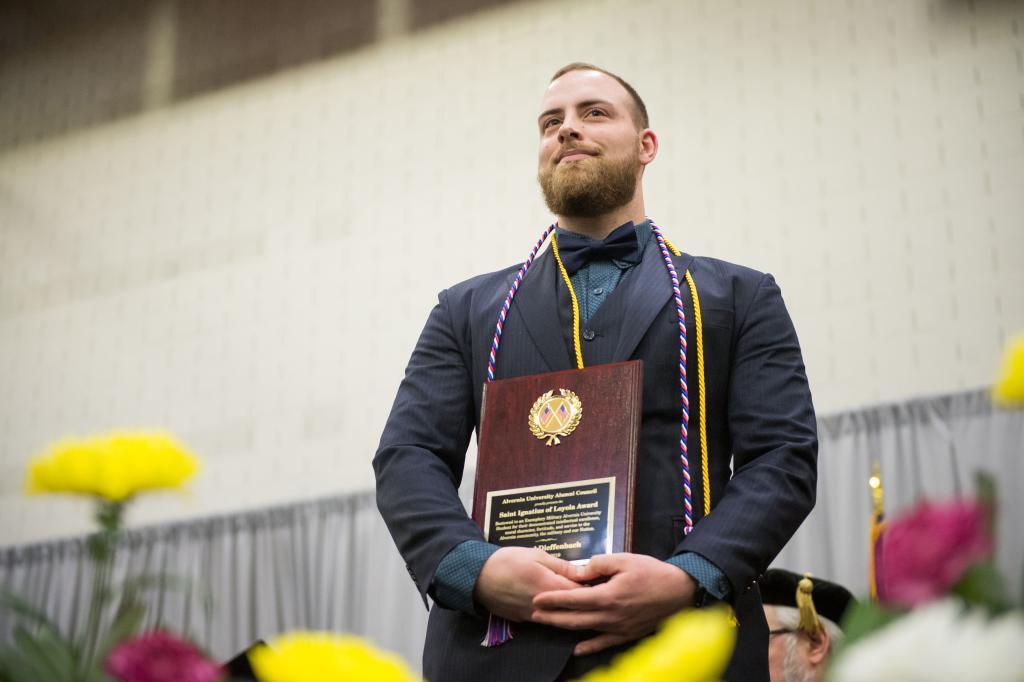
column 575, row 304
column 700, row 393
column 702, row 425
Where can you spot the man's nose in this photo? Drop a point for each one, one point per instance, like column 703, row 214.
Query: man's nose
column 568, row 129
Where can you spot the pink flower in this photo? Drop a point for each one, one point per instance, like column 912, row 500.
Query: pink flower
column 923, row 554
column 160, row 657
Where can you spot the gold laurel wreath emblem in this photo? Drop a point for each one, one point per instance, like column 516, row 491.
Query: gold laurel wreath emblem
column 560, row 418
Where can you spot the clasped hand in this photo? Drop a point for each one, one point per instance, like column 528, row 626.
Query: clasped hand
column 622, row 596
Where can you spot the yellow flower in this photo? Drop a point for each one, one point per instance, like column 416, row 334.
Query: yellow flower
column 114, row 466
column 1009, row 390
column 692, row 646
column 326, row 657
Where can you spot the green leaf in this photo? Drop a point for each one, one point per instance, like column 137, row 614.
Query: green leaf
column 14, row 667
column 131, row 587
column 982, row 585
column 23, row 609
column 985, row 484
column 62, row 653
column 126, row 623
column 151, row 581
column 5, row 667
column 988, row 497
column 46, row 658
column 97, row 675
column 863, row 619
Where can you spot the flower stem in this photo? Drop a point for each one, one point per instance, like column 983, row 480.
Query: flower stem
column 101, row 552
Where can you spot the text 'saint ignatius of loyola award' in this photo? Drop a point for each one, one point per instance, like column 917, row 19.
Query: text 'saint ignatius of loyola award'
column 557, row 460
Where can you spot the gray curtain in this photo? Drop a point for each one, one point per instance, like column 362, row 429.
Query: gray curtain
column 928, row 448
column 330, row 564
column 325, row 565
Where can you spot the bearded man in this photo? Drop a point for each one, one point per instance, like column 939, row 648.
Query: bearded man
column 705, row 526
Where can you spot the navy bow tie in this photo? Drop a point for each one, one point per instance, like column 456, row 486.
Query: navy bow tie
column 576, row 251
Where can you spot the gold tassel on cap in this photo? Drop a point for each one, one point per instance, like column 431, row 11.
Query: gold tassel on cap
column 809, row 622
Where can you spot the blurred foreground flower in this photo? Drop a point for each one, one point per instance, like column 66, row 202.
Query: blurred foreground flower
column 945, row 640
column 112, row 469
column 114, row 466
column 326, row 657
column 924, row 553
column 1009, row 389
column 692, row 646
column 161, row 657
column 943, row 611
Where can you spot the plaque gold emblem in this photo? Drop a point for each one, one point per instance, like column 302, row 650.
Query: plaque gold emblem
column 555, row 415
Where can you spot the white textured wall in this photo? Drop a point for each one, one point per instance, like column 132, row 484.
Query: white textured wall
column 250, row 269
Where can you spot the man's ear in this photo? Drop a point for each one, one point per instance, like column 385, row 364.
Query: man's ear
column 648, row 146
column 819, row 645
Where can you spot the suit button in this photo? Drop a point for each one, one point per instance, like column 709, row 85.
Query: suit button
column 588, row 335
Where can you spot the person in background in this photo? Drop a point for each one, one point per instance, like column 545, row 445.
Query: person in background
column 803, row 616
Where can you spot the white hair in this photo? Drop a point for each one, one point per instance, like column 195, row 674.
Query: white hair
column 793, row 667
column 789, row 617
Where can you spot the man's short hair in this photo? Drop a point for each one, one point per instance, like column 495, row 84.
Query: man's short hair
column 639, row 112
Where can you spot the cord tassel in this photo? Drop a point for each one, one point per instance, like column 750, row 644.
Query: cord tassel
column 499, row 631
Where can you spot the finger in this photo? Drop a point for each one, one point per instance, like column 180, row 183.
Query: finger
column 595, row 644
column 563, row 568
column 596, row 568
column 557, row 583
column 578, row 599
column 604, row 565
column 588, row 573
column 571, row 620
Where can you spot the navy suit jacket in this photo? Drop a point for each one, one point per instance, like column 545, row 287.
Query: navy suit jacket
column 760, row 428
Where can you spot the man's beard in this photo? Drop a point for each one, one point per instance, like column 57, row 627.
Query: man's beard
column 590, row 187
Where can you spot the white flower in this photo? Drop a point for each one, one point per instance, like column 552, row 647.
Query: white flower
column 942, row 641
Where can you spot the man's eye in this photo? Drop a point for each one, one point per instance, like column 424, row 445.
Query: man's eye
column 595, row 111
column 550, row 122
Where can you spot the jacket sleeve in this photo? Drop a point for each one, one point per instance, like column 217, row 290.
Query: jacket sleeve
column 774, row 446
column 419, row 462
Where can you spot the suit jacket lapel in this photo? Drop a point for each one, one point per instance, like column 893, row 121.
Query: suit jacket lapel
column 536, row 308
column 647, row 289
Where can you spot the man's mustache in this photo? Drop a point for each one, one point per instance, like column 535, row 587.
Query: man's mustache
column 569, row 149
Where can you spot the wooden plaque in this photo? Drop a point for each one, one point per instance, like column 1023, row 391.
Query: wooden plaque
column 537, row 485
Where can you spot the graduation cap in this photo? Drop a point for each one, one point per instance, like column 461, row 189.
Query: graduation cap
column 808, row 594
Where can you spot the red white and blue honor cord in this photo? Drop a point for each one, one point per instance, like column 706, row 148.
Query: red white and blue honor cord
column 498, row 629
column 684, row 394
column 493, row 356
